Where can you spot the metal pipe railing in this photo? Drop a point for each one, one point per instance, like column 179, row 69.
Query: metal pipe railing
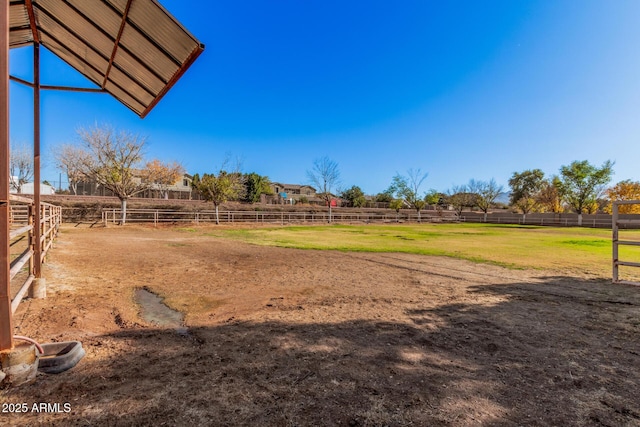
column 24, row 211
column 616, row 222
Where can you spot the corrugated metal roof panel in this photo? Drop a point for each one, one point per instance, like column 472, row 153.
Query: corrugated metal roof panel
column 18, row 16
column 100, row 14
column 125, row 98
column 147, row 52
column 120, row 5
column 70, row 58
column 57, row 18
column 135, row 90
column 20, row 33
column 19, row 38
column 139, row 71
column 90, row 53
column 137, row 66
column 161, row 27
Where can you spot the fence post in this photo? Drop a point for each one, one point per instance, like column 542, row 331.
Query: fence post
column 30, row 240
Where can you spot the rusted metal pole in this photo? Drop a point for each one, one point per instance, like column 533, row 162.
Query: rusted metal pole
column 37, row 229
column 6, row 324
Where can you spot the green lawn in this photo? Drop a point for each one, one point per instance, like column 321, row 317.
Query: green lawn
column 570, row 250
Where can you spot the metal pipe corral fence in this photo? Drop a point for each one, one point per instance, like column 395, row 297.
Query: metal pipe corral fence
column 22, row 242
column 159, row 216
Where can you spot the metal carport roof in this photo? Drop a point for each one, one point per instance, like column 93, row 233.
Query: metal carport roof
column 133, row 49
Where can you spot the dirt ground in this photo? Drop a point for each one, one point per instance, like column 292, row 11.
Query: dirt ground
column 284, row 337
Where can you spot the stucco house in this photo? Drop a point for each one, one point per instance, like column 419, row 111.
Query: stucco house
column 181, row 189
column 292, row 193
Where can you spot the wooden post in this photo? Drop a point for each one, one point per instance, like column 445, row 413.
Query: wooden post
column 6, row 324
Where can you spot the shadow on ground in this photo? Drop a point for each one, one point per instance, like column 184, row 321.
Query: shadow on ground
column 561, row 352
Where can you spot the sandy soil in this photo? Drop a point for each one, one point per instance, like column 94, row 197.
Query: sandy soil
column 285, row 337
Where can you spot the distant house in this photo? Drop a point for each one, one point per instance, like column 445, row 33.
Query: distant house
column 292, row 193
column 45, row 189
column 181, row 189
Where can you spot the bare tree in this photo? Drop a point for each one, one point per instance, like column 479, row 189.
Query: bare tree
column 71, row 159
column 20, row 165
column 324, row 176
column 486, row 193
column 461, row 197
column 114, row 158
column 162, row 175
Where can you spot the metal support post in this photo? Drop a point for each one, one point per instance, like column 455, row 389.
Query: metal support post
column 6, row 324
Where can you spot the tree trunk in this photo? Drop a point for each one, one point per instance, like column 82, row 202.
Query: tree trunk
column 485, row 217
column 580, row 220
column 419, row 217
column 217, row 217
column 329, row 210
column 123, row 204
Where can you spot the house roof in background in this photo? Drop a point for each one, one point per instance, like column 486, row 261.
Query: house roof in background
column 133, row 49
column 292, row 186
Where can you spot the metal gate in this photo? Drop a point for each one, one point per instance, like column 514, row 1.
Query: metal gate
column 615, row 226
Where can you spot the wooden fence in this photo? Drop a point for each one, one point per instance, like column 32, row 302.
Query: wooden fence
column 22, row 242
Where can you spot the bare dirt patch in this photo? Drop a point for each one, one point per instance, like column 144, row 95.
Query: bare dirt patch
column 291, row 337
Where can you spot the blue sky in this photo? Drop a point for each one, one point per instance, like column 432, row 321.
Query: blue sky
column 461, row 89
